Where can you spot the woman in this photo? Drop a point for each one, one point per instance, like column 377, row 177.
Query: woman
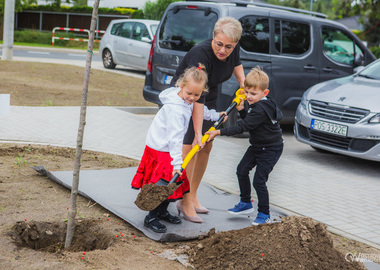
column 220, row 55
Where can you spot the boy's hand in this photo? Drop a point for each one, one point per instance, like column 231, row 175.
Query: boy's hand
column 212, row 134
column 226, row 116
column 241, row 105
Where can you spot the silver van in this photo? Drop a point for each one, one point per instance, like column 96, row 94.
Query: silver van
column 296, row 48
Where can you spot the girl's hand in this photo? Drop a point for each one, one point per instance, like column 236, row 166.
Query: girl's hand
column 241, row 105
column 177, row 171
column 212, row 134
column 226, row 116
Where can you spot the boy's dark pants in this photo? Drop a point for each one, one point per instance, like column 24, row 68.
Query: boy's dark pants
column 264, row 158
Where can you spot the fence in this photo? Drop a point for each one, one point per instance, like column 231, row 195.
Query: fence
column 75, row 30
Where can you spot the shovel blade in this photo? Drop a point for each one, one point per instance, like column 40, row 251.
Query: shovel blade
column 162, row 182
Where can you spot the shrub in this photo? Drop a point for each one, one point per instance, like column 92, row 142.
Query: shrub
column 37, row 37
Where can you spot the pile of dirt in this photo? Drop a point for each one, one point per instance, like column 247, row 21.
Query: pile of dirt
column 295, row 243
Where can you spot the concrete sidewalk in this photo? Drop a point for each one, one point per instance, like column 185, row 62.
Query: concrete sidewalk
column 350, row 210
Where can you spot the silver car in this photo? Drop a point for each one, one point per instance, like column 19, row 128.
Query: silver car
column 127, row 42
column 343, row 115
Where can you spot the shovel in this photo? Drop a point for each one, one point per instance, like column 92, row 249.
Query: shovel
column 152, row 196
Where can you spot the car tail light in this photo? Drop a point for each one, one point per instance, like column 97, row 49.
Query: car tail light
column 150, row 61
column 192, row 7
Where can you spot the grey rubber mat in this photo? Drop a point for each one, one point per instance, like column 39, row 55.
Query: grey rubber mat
column 112, row 190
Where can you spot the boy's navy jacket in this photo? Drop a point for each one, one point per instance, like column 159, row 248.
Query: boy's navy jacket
column 262, row 123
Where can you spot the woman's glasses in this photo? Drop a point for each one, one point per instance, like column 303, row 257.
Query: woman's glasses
column 220, row 45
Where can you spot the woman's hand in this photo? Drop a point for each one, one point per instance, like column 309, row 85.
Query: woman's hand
column 198, row 140
column 212, row 134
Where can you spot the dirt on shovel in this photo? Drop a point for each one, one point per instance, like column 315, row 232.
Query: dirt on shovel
column 152, row 195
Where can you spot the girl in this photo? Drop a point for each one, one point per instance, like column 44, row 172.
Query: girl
column 162, row 156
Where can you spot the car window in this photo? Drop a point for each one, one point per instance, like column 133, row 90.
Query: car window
column 179, row 32
column 125, row 30
column 140, row 31
column 255, row 35
column 153, row 28
column 338, row 47
column 114, row 28
column 292, row 37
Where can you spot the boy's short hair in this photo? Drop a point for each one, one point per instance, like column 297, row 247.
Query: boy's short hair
column 257, row 78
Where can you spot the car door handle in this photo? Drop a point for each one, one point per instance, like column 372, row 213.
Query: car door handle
column 327, row 69
column 309, row 68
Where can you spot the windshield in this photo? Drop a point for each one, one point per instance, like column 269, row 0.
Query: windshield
column 372, row 71
column 184, row 28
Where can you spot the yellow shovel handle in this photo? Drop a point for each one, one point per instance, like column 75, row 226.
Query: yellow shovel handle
column 195, row 149
column 239, row 94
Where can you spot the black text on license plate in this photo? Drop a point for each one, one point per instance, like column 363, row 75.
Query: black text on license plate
column 331, row 128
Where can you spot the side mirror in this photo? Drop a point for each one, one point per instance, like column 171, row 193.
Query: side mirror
column 145, row 39
column 359, row 59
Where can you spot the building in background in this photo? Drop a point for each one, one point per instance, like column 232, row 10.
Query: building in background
column 136, row 4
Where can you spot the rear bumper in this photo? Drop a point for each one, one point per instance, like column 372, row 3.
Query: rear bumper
column 149, row 93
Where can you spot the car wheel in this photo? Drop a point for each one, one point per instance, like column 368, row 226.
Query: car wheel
column 108, row 60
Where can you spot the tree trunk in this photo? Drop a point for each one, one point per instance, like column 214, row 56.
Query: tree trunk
column 82, row 123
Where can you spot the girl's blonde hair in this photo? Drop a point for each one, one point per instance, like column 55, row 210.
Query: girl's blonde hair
column 230, row 27
column 198, row 74
column 257, row 78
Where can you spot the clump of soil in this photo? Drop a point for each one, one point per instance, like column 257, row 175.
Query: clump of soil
column 151, row 195
column 295, row 243
column 50, row 236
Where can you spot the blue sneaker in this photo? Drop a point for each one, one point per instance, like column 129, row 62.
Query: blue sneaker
column 241, row 208
column 261, row 218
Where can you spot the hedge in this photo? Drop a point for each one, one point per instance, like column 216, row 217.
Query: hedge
column 134, row 13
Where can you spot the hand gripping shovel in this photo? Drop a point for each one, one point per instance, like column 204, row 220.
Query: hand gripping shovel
column 152, row 196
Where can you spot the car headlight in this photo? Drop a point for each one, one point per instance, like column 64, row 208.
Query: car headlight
column 375, row 119
column 303, row 102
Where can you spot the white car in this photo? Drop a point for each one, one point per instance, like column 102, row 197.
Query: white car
column 127, row 42
column 343, row 115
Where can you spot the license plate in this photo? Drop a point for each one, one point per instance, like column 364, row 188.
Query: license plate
column 327, row 127
column 168, row 79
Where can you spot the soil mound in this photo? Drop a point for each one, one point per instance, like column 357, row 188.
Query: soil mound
column 295, row 243
column 50, row 237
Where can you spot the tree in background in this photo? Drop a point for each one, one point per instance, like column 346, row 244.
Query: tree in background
column 19, row 6
column 155, row 10
column 370, row 18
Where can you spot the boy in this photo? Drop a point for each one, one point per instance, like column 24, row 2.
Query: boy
column 262, row 123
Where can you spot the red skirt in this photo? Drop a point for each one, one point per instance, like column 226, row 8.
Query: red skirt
column 155, row 165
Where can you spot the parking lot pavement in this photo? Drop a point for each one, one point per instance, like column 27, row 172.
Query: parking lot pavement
column 339, row 191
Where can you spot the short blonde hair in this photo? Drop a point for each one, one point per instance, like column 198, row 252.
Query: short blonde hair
column 198, row 74
column 230, row 27
column 257, row 78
